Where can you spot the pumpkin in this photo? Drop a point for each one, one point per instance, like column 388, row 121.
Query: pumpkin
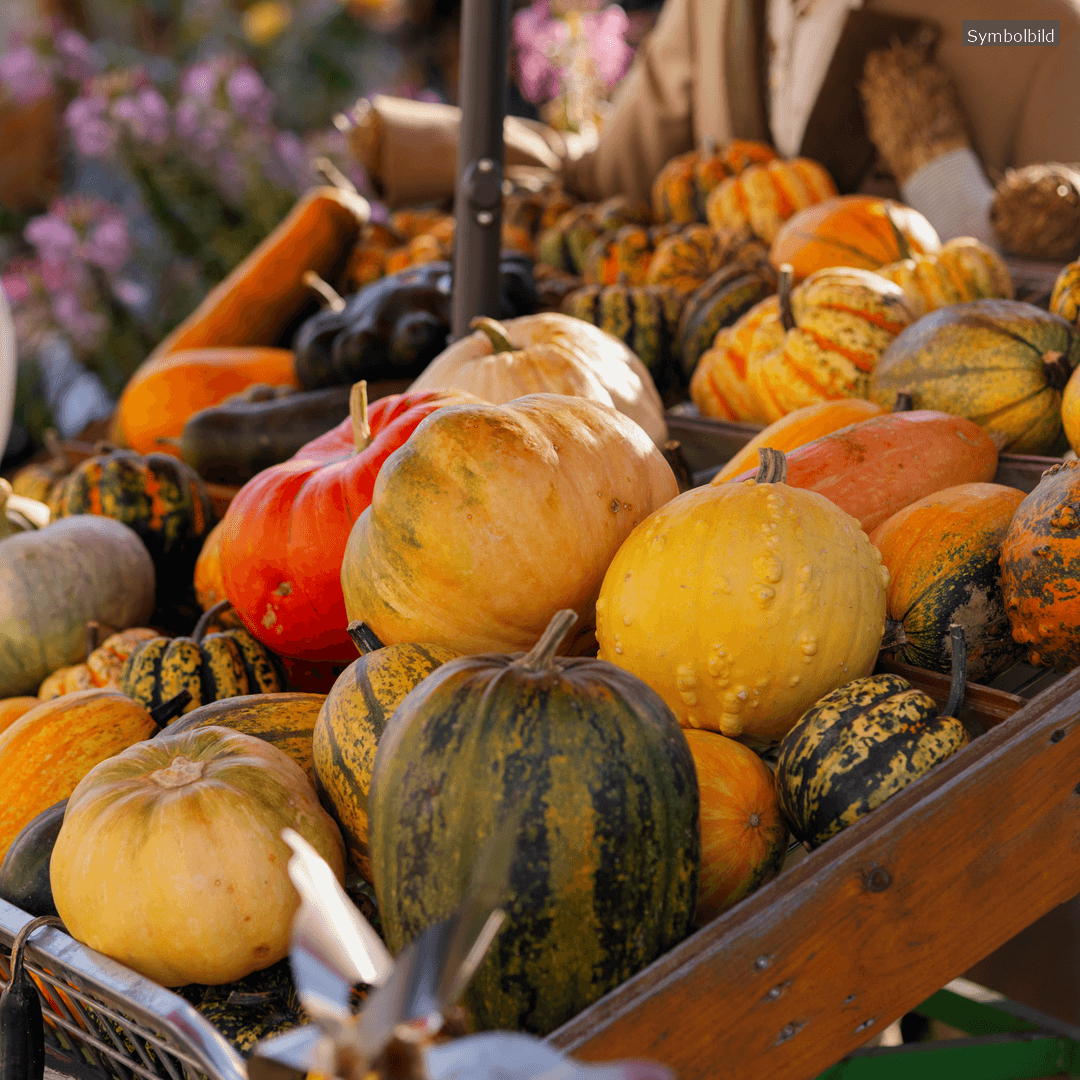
column 548, row 353
column 56, row 580
column 209, row 579
column 593, row 770
column 743, row 837
column 210, row 667
column 350, row 724
column 686, row 260
column 285, row 531
column 13, row 707
column 563, row 245
column 49, row 749
column 645, row 317
column 103, row 666
column 161, row 498
column 1040, row 564
column 168, row 388
column 761, row 198
column 285, row 720
column 720, row 300
column 1070, row 410
column 623, row 257
column 869, row 469
column 852, row 230
column 824, row 344
column 36, row 480
column 707, row 602
column 1001, row 363
column 799, row 428
column 943, row 553
column 1065, row 296
column 964, row 269
column 682, row 186
column 24, row 872
column 170, row 859
column 493, row 517
column 858, row 746
column 719, row 387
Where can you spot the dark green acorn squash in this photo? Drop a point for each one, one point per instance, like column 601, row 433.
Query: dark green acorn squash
column 604, row 874
column 24, row 873
column 861, row 744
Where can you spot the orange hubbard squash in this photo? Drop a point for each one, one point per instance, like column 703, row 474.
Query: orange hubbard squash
column 168, row 388
column 13, row 707
column 799, row 428
column 50, row 748
column 1040, row 566
column 864, row 231
column 877, row 467
column 706, row 602
column 761, row 198
column 825, row 342
column 743, row 837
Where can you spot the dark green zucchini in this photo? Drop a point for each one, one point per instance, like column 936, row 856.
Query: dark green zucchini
column 24, row 873
column 231, row 442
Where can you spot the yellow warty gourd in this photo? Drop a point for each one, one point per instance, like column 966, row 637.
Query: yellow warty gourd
column 741, row 604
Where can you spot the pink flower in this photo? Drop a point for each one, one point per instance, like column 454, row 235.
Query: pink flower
column 24, row 75
column 248, row 95
column 54, row 238
column 91, row 131
column 199, row 81
column 85, row 327
column 606, row 32
column 130, row 293
column 78, row 58
column 17, row 287
column 109, row 245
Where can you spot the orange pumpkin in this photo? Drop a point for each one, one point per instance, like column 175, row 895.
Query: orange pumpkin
column 1040, row 566
column 878, row 467
column 718, row 386
column 799, row 428
column 682, row 186
column 763, row 197
column 743, row 837
column 851, row 230
column 168, row 388
column 210, row 580
column 13, row 707
column 102, row 667
column 825, row 344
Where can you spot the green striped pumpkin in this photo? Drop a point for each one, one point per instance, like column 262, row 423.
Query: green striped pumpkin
column 599, row 774
column 209, row 666
column 855, row 748
column 348, row 728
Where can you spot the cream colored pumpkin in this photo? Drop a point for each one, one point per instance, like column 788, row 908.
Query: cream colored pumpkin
column 170, row 858
column 741, row 604
column 549, row 353
column 493, row 517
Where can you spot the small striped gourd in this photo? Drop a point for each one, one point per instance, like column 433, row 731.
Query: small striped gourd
column 683, row 185
column 600, row 779
column 623, row 257
column 860, row 745
column 350, row 723
column 564, row 244
column 1065, row 298
column 208, row 666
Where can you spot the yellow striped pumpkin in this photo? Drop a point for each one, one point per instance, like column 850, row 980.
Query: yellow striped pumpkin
column 1065, row 298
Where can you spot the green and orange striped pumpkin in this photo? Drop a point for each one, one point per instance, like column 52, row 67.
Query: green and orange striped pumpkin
column 1065, row 297
column 623, row 257
column 682, row 186
column 589, row 769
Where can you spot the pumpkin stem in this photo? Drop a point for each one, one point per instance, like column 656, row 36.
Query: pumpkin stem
column 334, row 175
column 208, row 616
column 494, row 331
column 773, row 466
column 180, row 772
column 103, row 446
column 904, row 401
column 364, row 638
column 959, row 671
column 333, row 299
column 93, row 636
column 170, row 710
column 902, row 245
column 1000, row 439
column 361, row 426
column 894, row 635
column 787, row 279
column 1057, row 369
column 542, row 655
column 674, row 456
column 169, row 440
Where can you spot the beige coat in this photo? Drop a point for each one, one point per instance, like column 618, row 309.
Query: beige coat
column 697, row 79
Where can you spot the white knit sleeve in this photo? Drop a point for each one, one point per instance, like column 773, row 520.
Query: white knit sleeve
column 952, row 192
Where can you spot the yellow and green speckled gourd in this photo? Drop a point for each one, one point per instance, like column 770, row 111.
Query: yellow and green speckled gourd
column 860, row 745
column 350, row 723
column 590, row 770
column 1065, row 297
column 740, row 604
column 208, row 666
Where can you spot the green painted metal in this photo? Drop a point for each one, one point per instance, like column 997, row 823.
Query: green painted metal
column 973, row 1017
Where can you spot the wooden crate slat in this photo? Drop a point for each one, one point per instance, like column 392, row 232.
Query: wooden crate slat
column 870, row 925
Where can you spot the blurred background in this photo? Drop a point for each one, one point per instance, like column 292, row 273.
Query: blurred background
column 147, row 145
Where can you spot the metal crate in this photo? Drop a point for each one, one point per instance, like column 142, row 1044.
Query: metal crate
column 105, row 1022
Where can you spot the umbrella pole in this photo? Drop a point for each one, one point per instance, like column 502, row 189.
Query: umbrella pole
column 485, row 26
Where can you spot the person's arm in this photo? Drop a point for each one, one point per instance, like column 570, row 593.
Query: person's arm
column 651, row 117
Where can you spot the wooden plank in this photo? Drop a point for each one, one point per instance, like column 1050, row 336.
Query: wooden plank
column 872, row 923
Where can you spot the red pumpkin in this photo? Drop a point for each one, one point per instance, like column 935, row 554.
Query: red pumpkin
column 284, row 536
